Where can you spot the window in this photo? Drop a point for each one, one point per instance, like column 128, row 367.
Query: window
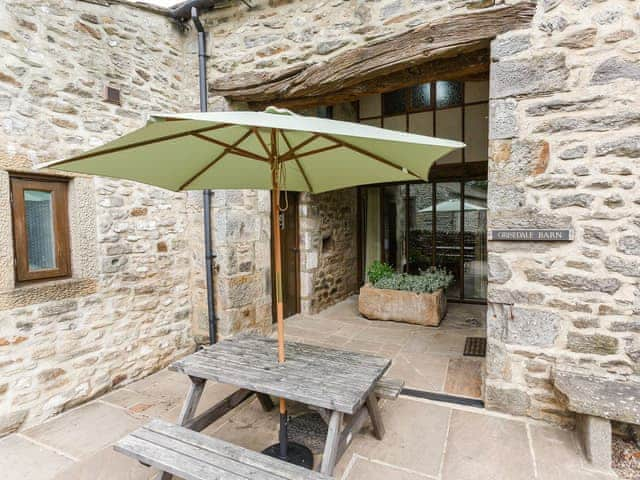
column 40, row 228
column 446, row 109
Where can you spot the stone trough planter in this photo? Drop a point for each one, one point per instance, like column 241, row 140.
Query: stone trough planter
column 402, row 306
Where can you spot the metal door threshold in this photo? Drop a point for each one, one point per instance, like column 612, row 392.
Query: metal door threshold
column 443, row 397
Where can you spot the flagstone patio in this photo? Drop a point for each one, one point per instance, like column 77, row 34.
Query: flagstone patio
column 424, row 439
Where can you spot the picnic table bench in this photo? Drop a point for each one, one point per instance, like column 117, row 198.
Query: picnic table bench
column 193, row 456
column 336, row 382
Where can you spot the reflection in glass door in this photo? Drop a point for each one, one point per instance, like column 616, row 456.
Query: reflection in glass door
column 420, row 203
column 448, row 232
column 475, row 239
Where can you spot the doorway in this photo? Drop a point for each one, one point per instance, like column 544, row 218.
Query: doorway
column 290, row 251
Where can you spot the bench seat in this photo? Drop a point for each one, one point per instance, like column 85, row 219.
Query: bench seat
column 596, row 400
column 195, row 456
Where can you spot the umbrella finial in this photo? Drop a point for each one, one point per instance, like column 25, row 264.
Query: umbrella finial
column 278, row 111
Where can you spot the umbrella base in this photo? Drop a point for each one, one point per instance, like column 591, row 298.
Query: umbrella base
column 296, row 454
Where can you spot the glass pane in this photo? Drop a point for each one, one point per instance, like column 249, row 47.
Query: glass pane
column 324, row 111
column 449, row 125
column 394, row 102
column 476, row 91
column 476, row 133
column 346, row 112
column 397, row 122
column 371, row 218
column 475, row 239
column 448, row 94
column 421, row 123
column 448, row 231
column 38, row 209
column 393, row 226
column 421, row 96
column 374, row 122
column 420, row 227
column 370, row 106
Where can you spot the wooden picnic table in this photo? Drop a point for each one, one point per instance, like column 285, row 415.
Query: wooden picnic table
column 337, row 381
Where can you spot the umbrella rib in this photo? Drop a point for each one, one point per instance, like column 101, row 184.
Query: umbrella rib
column 317, row 150
column 262, row 142
column 295, row 157
column 288, row 154
column 142, row 143
column 215, row 160
column 370, row 154
column 238, row 151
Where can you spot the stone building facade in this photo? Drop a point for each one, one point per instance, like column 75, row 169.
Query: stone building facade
column 126, row 310
column 564, row 149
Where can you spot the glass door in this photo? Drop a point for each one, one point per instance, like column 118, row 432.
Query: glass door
column 448, row 232
column 420, row 208
column 475, row 240
column 416, row 226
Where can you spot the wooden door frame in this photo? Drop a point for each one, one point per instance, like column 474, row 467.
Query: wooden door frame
column 297, row 258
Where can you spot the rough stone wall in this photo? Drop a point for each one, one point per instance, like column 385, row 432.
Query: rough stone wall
column 127, row 310
column 242, row 228
column 565, row 143
column 328, row 248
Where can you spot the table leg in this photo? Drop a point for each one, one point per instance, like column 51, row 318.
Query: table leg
column 265, row 401
column 188, row 410
column 330, row 456
column 376, row 417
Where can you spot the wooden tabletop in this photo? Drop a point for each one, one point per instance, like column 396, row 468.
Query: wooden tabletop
column 318, row 376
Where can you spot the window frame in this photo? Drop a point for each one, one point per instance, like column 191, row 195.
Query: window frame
column 58, row 186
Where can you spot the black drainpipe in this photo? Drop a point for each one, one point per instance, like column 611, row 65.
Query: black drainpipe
column 181, row 13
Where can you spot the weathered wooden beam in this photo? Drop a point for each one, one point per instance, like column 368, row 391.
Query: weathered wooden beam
column 442, row 37
column 473, row 65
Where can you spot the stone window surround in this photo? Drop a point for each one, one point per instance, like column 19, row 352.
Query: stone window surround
column 83, row 234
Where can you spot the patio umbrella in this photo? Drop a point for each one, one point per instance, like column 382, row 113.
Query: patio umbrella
column 272, row 150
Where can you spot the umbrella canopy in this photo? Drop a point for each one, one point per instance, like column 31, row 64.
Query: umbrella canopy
column 234, row 150
column 453, row 205
column 269, row 150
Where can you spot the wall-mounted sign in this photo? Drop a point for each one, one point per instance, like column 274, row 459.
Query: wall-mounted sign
column 534, row 235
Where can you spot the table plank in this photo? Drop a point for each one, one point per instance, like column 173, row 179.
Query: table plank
column 317, row 376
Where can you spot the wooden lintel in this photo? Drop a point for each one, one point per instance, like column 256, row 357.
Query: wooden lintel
column 443, row 37
column 473, row 65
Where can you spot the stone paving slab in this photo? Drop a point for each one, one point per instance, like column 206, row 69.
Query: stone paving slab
column 484, row 446
column 362, row 468
column 107, row 464
column 21, row 459
column 422, row 371
column 84, row 431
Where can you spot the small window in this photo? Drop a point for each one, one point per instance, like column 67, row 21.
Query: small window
column 448, row 94
column 40, row 228
column 394, row 102
column 421, row 97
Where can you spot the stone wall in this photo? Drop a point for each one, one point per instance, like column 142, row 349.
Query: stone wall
column 127, row 310
column 328, row 248
column 242, row 229
column 565, row 143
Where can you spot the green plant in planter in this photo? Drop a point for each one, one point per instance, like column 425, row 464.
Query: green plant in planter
column 428, row 281
column 379, row 270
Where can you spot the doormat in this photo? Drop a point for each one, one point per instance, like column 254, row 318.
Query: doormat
column 309, row 430
column 475, row 347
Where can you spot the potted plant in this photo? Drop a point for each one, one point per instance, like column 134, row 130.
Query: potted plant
column 418, row 299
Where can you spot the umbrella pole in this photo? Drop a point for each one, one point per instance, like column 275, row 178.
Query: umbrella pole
column 277, row 260
column 284, row 450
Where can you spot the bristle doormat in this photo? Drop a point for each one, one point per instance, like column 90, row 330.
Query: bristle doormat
column 310, row 430
column 475, row 347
